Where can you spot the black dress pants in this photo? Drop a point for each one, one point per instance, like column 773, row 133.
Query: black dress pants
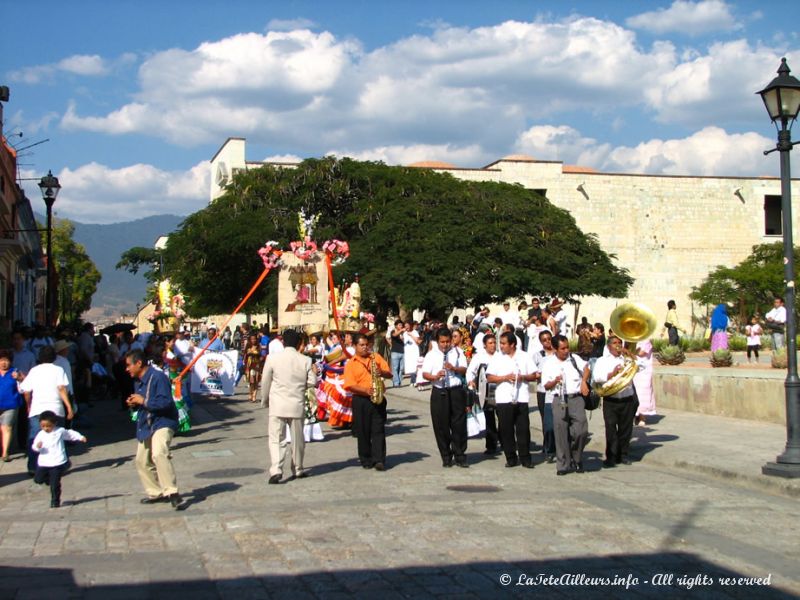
column 492, row 433
column 618, row 416
column 548, row 437
column 449, row 418
column 369, row 422
column 515, row 431
column 51, row 476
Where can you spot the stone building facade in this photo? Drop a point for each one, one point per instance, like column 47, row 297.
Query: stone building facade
column 668, row 231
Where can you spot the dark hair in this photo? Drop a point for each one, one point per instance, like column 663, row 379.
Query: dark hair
column 509, row 337
column 47, row 354
column 557, row 339
column 612, row 337
column 600, row 326
column 398, row 322
column 671, row 304
column 779, row 298
column 545, row 332
column 487, row 337
column 358, row 337
column 49, row 416
column 443, row 332
column 135, row 356
column 291, row 338
column 5, row 354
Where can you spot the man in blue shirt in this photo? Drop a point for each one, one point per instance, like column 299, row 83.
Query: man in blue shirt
column 216, row 345
column 156, row 423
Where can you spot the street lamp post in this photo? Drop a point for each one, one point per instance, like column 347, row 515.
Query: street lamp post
column 50, row 187
column 62, row 280
column 782, row 99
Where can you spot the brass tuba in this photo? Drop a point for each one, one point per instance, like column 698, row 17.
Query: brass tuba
column 631, row 322
column 378, row 387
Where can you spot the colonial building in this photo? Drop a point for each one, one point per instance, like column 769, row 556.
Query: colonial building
column 669, row 231
column 22, row 279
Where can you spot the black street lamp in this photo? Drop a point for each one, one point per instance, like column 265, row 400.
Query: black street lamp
column 782, row 99
column 50, row 187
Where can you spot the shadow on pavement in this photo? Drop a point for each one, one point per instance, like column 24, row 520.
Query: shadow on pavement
column 198, row 495
column 657, row 575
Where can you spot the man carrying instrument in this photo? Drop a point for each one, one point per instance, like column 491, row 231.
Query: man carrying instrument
column 363, row 379
column 619, row 409
column 444, row 366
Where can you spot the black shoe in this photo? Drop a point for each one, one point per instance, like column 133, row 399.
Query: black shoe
column 578, row 468
column 527, row 464
column 609, row 464
column 154, row 500
column 564, row 472
column 626, row 461
column 55, row 503
column 490, row 451
column 175, row 500
column 551, row 458
column 447, row 462
column 511, row 463
column 275, row 479
column 462, row 463
column 379, row 466
column 366, row 465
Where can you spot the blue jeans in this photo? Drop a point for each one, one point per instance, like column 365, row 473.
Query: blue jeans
column 397, row 368
column 778, row 340
column 33, row 429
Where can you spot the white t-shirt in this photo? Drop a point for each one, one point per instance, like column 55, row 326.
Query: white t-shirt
column 43, row 382
column 570, row 377
column 434, row 362
column 183, row 350
column 520, row 364
column 62, row 362
column 510, row 316
column 561, row 320
column 777, row 314
column 754, row 334
column 541, row 361
column 604, row 366
column 275, row 346
column 52, row 452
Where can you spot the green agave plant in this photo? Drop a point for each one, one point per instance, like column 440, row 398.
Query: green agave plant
column 721, row 358
column 670, row 355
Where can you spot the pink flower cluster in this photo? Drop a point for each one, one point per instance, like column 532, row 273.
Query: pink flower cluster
column 305, row 249
column 338, row 250
column 270, row 255
column 368, row 316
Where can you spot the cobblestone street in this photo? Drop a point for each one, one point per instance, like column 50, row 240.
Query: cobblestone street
column 416, row 530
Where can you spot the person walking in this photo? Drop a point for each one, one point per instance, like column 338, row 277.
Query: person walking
column 156, row 422
column 286, row 377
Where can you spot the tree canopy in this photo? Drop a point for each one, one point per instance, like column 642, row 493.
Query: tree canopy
column 78, row 278
column 751, row 285
column 418, row 239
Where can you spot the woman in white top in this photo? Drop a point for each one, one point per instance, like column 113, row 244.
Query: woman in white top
column 411, row 341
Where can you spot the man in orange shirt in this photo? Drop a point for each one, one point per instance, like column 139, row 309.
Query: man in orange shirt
column 368, row 419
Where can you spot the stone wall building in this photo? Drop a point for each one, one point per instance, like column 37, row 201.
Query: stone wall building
column 669, row 231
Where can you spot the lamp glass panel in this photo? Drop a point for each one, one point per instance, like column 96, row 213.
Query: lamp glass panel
column 790, row 102
column 770, row 98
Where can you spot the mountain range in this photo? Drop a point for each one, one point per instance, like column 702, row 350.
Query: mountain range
column 120, row 291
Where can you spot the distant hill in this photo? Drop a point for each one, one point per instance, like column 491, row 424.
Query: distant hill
column 119, row 291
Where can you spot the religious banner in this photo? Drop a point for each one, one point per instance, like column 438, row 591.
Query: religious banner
column 303, row 290
column 215, row 373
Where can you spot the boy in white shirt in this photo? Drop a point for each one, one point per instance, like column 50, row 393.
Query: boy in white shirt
column 52, row 462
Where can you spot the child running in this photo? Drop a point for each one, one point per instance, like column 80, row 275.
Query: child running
column 52, row 464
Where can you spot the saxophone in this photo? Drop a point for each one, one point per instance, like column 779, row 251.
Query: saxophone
column 378, row 387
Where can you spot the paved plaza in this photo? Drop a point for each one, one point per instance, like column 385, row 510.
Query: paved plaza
column 692, row 518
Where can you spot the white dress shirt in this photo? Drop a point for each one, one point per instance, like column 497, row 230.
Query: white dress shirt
column 521, row 365
column 570, row 376
column 434, row 362
column 605, row 365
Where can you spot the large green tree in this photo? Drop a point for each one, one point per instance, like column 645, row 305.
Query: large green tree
column 78, row 277
column 750, row 286
column 418, row 239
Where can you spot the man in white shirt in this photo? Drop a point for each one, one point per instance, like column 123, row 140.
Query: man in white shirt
column 544, row 399
column 509, row 316
column 512, row 371
column 443, row 367
column 45, row 388
column 275, row 346
column 569, row 382
column 476, row 380
column 184, row 351
column 560, row 317
column 776, row 321
column 619, row 410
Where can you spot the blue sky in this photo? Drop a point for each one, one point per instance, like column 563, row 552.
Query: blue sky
column 136, row 97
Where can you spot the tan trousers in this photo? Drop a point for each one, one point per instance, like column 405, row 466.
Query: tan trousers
column 154, row 464
column 277, row 447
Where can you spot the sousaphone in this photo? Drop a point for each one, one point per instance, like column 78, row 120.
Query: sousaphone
column 631, row 322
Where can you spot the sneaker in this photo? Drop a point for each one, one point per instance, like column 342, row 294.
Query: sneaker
column 175, row 500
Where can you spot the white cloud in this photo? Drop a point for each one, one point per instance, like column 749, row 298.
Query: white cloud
column 78, row 64
column 283, row 158
column 290, row 24
column 683, row 16
column 709, row 151
column 96, row 193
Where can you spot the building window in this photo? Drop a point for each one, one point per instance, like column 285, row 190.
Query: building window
column 772, row 215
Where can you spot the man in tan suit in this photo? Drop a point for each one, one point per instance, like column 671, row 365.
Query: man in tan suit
column 284, row 382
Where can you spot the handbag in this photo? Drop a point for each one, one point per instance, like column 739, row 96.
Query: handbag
column 591, row 401
column 473, row 427
column 479, row 416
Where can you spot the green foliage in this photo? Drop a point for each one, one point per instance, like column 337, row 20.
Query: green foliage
column 751, row 285
column 737, row 343
column 418, row 239
column 78, row 278
column 140, row 257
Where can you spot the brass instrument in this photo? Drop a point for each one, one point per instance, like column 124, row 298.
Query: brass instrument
column 631, row 322
column 378, row 386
